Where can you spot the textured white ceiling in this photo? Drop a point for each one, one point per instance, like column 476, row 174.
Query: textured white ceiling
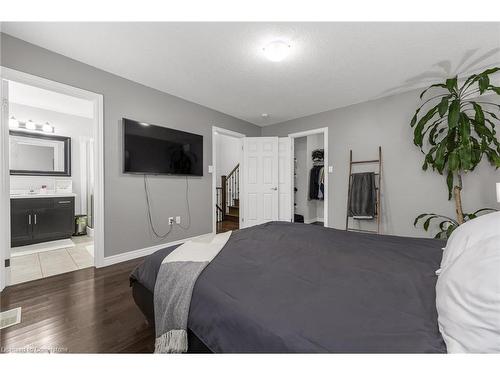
column 221, row 65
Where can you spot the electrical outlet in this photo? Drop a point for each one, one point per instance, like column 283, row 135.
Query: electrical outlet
column 170, row 220
column 178, row 219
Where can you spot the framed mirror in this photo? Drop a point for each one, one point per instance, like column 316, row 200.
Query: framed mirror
column 33, row 154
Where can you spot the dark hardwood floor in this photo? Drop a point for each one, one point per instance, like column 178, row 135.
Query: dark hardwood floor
column 226, row 226
column 85, row 311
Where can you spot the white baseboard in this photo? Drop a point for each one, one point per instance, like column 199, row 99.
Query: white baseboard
column 129, row 255
column 310, row 221
column 90, row 232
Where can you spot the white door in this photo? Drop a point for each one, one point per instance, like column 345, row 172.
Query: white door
column 260, row 180
column 285, row 178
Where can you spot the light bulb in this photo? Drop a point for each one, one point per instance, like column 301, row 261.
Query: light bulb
column 47, row 128
column 13, row 123
column 277, row 50
column 30, row 125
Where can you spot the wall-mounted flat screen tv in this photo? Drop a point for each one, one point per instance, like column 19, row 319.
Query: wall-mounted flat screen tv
column 151, row 149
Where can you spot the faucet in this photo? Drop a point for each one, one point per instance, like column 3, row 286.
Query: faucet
column 32, row 190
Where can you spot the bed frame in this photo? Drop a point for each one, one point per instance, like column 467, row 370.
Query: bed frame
column 145, row 301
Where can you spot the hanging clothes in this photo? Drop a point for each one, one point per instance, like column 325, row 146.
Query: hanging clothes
column 321, row 182
column 316, row 182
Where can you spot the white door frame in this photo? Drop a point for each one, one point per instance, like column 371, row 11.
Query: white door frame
column 32, row 80
column 4, row 184
column 216, row 130
column 305, row 133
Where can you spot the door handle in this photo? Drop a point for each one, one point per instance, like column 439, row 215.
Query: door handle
column 274, row 188
column 35, row 219
column 29, row 219
column 64, row 202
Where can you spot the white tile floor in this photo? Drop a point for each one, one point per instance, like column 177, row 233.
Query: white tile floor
column 48, row 263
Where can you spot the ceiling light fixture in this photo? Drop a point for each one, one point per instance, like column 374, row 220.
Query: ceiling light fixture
column 265, row 115
column 277, row 50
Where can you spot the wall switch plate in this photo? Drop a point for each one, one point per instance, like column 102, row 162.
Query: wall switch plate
column 170, row 220
column 210, row 169
column 178, row 219
column 330, row 169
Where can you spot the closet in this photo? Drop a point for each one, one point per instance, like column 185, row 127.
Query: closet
column 308, row 179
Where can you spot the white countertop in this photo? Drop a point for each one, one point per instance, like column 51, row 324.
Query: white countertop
column 45, row 195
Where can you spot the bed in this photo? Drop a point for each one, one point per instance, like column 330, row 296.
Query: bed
column 288, row 287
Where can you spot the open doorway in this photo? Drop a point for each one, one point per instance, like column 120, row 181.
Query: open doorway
column 53, row 178
column 227, row 149
column 310, row 177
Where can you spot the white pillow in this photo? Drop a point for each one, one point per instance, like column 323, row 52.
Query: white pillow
column 468, row 296
column 468, row 234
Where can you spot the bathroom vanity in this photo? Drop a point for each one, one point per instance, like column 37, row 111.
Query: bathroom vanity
column 36, row 215
column 41, row 217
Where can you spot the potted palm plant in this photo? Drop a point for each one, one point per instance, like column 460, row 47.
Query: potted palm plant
column 455, row 131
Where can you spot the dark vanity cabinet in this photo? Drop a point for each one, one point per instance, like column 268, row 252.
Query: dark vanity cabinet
column 41, row 219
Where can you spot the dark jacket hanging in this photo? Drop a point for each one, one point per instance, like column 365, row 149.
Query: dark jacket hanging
column 314, row 182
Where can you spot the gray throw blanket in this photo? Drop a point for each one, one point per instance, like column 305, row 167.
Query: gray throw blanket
column 174, row 287
column 363, row 197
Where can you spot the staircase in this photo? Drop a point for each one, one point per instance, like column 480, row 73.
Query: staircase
column 234, row 211
column 228, row 197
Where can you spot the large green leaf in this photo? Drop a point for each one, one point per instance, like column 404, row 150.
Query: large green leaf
column 484, row 82
column 464, row 129
column 420, row 217
column 479, row 114
column 443, row 106
column 451, row 84
column 430, row 87
column 453, row 114
column 439, row 161
column 453, row 161
column 464, row 152
column 428, row 221
column 490, row 71
column 418, row 135
column 414, row 118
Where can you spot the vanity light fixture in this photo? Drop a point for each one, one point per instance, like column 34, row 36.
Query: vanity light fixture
column 31, row 125
column 13, row 123
column 277, row 50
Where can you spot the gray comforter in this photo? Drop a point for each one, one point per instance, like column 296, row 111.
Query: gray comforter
column 282, row 287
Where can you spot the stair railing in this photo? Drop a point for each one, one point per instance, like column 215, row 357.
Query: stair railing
column 227, row 193
column 219, row 212
column 232, row 187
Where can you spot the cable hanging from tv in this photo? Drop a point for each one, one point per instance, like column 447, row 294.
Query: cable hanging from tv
column 150, row 217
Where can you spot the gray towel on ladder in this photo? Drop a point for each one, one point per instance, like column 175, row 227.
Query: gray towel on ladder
column 363, row 196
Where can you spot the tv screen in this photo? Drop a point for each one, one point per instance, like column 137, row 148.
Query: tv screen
column 151, row 149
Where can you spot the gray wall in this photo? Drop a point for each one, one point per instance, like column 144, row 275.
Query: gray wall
column 406, row 190
column 126, row 227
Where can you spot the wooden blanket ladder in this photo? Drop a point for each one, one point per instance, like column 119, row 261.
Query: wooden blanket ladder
column 378, row 175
